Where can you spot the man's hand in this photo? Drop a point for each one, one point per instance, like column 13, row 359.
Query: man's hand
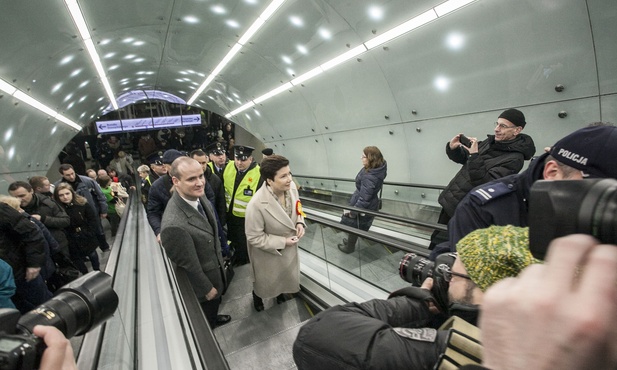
column 32, row 273
column 428, row 285
column 291, row 241
column 158, row 238
column 103, row 215
column 559, row 315
column 59, row 353
column 212, row 294
column 38, row 217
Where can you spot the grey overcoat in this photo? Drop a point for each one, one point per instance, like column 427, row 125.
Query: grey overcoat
column 193, row 246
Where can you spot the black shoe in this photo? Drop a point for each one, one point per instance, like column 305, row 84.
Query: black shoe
column 258, row 303
column 346, row 249
column 280, row 298
column 222, row 320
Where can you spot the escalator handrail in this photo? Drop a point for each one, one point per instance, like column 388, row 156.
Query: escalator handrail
column 407, row 185
column 383, row 215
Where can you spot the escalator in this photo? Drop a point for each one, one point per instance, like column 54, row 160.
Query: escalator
column 159, row 323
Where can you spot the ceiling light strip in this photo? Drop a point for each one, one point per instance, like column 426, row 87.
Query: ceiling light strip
column 82, row 27
column 406, row 27
column 259, row 22
column 18, row 94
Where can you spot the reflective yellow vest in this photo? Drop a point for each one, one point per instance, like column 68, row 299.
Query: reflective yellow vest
column 246, row 189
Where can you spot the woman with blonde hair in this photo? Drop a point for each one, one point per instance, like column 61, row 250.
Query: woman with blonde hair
column 368, row 185
column 82, row 230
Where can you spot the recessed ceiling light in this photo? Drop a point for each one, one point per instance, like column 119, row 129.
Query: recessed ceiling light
column 302, row 49
column 325, row 34
column 375, row 13
column 109, row 55
column 128, row 40
column 218, row 9
column 83, row 84
column 455, row 41
column 296, row 21
column 129, row 56
column 75, row 72
column 442, row 83
column 286, row 59
column 191, row 19
column 66, row 59
column 138, row 43
column 56, row 87
column 232, row 23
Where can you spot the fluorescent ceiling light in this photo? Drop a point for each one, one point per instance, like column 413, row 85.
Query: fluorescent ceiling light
column 402, row 29
column 259, row 22
column 242, row 108
column 234, row 50
column 18, row 94
column 78, row 18
column 80, row 23
column 251, row 31
column 344, row 57
column 415, row 22
column 273, row 7
column 308, row 75
column 450, row 6
column 274, row 92
column 7, row 87
column 34, row 103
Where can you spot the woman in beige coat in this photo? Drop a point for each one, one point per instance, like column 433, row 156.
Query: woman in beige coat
column 274, row 224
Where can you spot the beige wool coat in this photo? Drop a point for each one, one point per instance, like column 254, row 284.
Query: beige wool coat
column 275, row 269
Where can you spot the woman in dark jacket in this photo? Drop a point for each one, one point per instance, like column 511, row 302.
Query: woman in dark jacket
column 368, row 185
column 82, row 231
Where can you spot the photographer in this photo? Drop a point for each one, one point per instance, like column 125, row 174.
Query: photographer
column 585, row 153
column 401, row 332
column 559, row 315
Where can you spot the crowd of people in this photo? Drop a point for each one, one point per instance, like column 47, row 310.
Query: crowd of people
column 211, row 212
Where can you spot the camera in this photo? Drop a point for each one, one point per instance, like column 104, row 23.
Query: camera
column 564, row 207
column 75, row 309
column 415, row 269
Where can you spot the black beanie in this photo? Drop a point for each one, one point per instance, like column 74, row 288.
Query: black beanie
column 515, row 116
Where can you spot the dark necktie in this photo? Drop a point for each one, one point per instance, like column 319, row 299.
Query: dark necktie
column 201, row 209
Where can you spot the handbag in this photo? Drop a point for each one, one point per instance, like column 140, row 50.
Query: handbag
column 229, row 273
column 120, row 206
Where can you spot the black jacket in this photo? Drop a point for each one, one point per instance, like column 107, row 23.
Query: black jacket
column 495, row 159
column 21, row 242
column 52, row 216
column 397, row 333
column 82, row 230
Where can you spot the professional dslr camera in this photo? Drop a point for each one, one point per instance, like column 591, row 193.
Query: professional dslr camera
column 75, row 309
column 560, row 208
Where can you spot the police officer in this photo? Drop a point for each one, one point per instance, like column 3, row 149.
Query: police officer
column 218, row 158
column 241, row 180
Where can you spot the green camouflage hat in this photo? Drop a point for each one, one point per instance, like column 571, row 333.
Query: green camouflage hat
column 495, row 253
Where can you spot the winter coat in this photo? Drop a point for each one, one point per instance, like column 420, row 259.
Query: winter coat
column 275, row 269
column 368, row 185
column 82, row 230
column 495, row 159
column 21, row 242
column 52, row 216
column 397, row 333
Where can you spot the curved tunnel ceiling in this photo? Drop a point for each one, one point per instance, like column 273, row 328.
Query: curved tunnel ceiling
column 408, row 95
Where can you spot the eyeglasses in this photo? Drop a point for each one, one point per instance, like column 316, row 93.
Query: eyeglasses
column 503, row 126
column 447, row 275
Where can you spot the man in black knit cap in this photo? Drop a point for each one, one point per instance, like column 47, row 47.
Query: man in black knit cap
column 500, row 155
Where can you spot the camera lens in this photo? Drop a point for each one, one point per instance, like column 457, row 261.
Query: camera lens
column 415, row 269
column 77, row 307
column 559, row 208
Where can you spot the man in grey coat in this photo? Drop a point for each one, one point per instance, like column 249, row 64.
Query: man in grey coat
column 189, row 234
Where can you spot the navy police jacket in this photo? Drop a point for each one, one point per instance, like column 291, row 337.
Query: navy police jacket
column 500, row 202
